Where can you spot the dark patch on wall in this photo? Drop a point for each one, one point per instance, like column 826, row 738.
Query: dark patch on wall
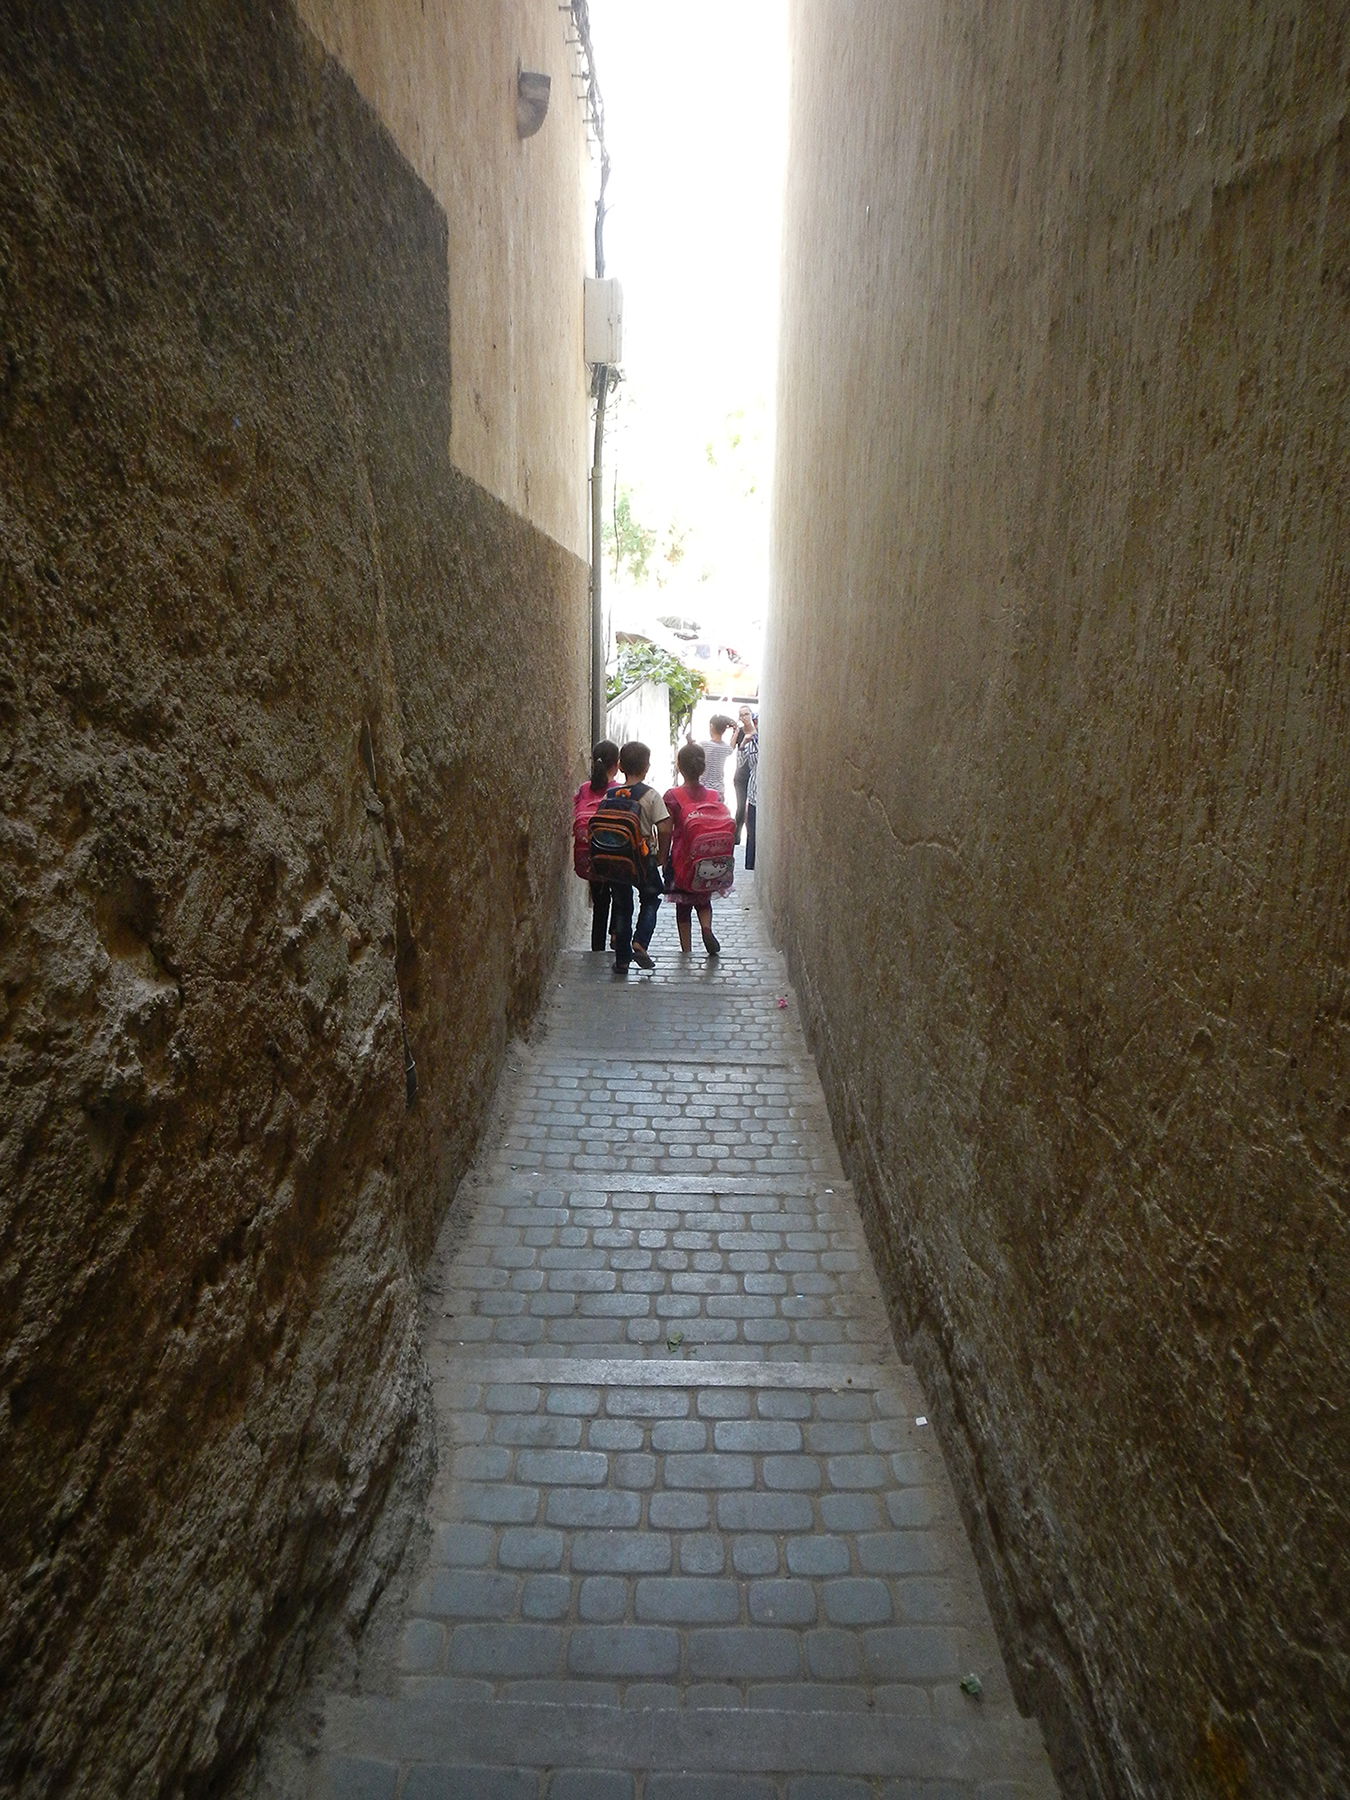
column 270, row 796
column 1056, row 809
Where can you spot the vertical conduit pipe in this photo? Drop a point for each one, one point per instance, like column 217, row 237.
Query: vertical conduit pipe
column 599, row 705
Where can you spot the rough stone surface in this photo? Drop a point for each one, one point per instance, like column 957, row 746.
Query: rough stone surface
column 683, row 1625
column 1054, row 803
column 251, row 703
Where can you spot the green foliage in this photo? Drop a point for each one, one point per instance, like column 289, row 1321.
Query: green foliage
column 739, row 453
column 631, row 542
column 649, row 662
column 641, row 551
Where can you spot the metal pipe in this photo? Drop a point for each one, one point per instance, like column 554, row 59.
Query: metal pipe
column 599, row 705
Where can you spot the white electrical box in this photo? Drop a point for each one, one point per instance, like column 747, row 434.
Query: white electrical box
column 604, row 322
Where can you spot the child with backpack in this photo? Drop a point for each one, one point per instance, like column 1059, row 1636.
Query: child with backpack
column 629, row 833
column 702, row 848
column 604, row 767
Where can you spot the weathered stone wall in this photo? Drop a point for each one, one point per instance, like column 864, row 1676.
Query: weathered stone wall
column 442, row 76
column 1056, row 819
column 267, row 791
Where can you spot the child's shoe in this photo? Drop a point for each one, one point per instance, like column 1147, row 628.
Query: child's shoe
column 711, row 945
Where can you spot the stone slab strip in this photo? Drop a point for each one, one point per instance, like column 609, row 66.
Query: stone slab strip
column 615, row 1372
column 425, row 1728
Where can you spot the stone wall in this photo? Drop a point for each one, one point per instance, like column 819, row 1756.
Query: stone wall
column 443, row 79
column 268, row 798
column 1055, row 806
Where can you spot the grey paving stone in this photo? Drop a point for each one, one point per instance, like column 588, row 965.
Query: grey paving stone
column 712, row 1693
column 524, row 1547
column 901, row 1552
column 621, row 1552
column 833, row 1655
column 912, row 1653
column 843, row 1406
column 744, row 1653
column 462, row 1546
column 647, row 1403
column 782, row 1602
column 680, row 1434
column 537, row 1431
column 754, row 1555
column 420, row 1647
column 561, row 1692
column 551, row 1306
column 924, row 1602
column 519, row 1331
column 580, row 1400
column 562, row 1468
column 755, row 1435
column 357, row 1778
column 467, row 1594
column 608, row 1507
column 702, row 1554
column 831, row 1436
column 853, row 1600
column 818, row 1555
column 867, row 1471
column 661, row 1786
column 809, row 1696
column 500, row 1505
column 546, row 1597
column 800, row 1474
column 911, row 1508
column 625, row 1652
column 851, row 1512
column 509, row 1651
column 710, row 1469
column 602, row 1599
column 590, row 1784
column 429, row 1781
column 686, row 1600
column 501, row 1306
column 766, row 1331
column 680, row 1512
column 911, row 1468
column 783, row 1403
column 828, row 1787
column 633, row 1469
column 763, row 1512
column 907, row 1701
column 481, row 1463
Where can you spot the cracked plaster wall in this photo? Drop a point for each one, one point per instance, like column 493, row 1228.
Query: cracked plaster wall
column 256, row 727
column 1055, row 806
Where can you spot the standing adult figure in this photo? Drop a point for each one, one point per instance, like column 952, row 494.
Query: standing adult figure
column 746, row 742
column 716, row 753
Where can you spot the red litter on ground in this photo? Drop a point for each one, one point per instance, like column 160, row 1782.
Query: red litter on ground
column 783, row 1001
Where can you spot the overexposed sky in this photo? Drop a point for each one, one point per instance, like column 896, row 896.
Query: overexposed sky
column 695, row 110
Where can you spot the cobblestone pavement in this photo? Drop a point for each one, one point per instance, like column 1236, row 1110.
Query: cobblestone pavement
column 690, row 1536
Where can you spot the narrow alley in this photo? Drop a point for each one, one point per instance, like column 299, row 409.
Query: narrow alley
column 905, row 1358
column 690, row 1537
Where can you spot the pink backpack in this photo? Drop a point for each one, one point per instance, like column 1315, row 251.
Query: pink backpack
column 582, row 808
column 703, row 856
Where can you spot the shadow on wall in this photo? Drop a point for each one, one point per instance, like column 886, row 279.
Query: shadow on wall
column 249, row 632
column 1060, row 530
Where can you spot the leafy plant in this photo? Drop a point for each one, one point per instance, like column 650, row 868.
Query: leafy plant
column 641, row 551
column 649, row 662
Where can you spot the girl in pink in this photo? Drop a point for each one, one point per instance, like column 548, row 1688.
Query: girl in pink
column 701, row 848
